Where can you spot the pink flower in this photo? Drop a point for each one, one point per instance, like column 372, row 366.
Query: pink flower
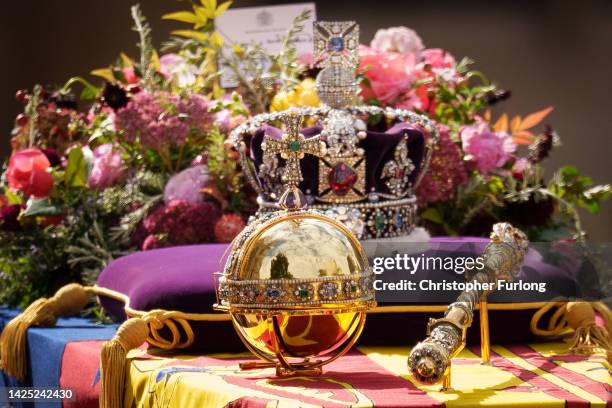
column 152, row 242
column 187, row 185
column 519, row 167
column 487, row 149
column 28, row 172
column 398, row 39
column 438, row 58
column 130, row 76
column 160, row 119
column 228, row 226
column 108, row 168
column 305, row 59
column 388, row 74
column 445, row 173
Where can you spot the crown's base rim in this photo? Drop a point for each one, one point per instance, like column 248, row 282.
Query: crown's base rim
column 370, row 220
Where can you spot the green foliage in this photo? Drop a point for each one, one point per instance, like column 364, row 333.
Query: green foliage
column 222, row 164
column 76, row 169
column 279, row 268
column 569, row 185
column 145, row 44
column 89, row 91
column 40, row 207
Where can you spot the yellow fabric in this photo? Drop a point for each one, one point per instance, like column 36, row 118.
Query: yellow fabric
column 541, row 375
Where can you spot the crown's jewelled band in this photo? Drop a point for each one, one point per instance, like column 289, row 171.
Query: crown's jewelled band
column 383, row 219
column 275, row 293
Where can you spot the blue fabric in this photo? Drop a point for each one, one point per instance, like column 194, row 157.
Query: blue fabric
column 46, row 348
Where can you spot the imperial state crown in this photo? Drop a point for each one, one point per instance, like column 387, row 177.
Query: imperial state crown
column 374, row 157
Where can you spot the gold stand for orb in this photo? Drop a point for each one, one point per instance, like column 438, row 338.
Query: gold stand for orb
column 284, row 367
column 485, row 342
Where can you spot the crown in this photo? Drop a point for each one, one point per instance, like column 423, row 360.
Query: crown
column 362, row 176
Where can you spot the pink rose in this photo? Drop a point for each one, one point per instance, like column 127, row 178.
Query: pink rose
column 519, row 167
column 398, row 39
column 388, row 74
column 28, row 172
column 487, row 149
column 130, row 76
column 306, row 59
column 187, row 185
column 107, row 168
column 438, row 58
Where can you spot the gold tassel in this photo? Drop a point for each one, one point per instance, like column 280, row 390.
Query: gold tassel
column 588, row 336
column 130, row 335
column 69, row 300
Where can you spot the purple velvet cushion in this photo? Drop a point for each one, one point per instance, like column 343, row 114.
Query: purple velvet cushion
column 181, row 278
column 177, row 278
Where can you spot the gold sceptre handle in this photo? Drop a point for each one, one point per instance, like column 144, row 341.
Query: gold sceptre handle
column 430, row 360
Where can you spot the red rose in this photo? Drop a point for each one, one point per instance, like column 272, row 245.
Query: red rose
column 27, row 172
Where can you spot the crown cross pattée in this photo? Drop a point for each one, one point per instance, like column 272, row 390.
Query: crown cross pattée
column 292, row 147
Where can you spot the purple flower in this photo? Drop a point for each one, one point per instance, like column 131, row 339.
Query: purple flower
column 108, row 168
column 187, row 185
column 487, row 149
column 195, row 110
column 160, row 119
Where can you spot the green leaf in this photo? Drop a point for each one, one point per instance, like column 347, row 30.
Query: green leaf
column 89, row 93
column 184, row 16
column 569, row 171
column 12, row 197
column 119, row 75
column 40, row 207
column 433, row 215
column 76, row 171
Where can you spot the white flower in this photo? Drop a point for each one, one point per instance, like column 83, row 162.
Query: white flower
column 178, row 70
column 398, row 39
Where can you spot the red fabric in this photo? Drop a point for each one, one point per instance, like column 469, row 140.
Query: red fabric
column 80, row 365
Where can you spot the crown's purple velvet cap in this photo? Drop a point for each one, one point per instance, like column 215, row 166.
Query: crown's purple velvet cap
column 379, row 149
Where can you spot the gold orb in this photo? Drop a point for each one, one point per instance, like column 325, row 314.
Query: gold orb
column 297, row 285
